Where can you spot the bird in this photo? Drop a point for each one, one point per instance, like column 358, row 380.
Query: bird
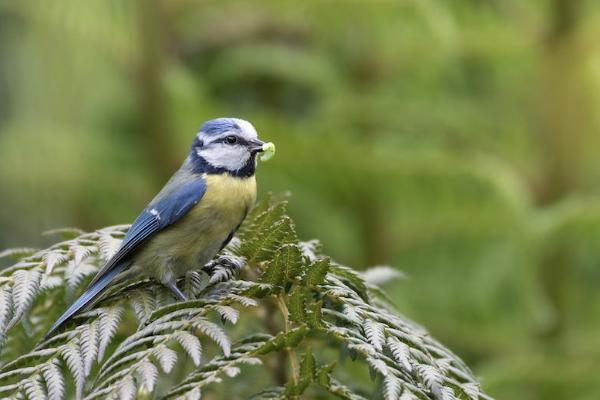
column 192, row 218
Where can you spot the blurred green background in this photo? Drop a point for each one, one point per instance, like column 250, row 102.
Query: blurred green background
column 456, row 140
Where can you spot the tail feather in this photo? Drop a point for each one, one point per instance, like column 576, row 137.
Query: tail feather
column 90, row 294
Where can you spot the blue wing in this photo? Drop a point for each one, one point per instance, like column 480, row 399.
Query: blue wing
column 172, row 203
column 160, row 213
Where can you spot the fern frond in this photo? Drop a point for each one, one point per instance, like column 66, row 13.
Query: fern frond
column 108, row 245
column 341, row 391
column 48, row 270
column 34, row 388
column 215, row 332
column 52, row 259
column 400, row 351
column 143, row 301
column 48, row 359
column 276, row 393
column 73, row 358
column 195, row 282
column 265, row 233
column 191, row 345
column 54, row 379
column 89, row 340
column 228, row 313
column 148, row 375
column 110, row 317
column 381, row 274
column 183, row 323
column 65, row 233
column 77, row 272
column 408, row 345
column 215, row 370
column 5, row 311
column 321, row 304
column 374, row 331
column 26, row 285
column 17, row 253
column 316, row 272
column 392, row 388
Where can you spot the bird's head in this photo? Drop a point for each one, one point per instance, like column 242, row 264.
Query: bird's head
column 226, row 145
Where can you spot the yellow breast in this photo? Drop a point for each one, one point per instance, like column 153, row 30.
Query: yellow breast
column 229, row 193
column 224, row 205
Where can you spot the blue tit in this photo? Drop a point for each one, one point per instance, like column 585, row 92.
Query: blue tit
column 192, row 218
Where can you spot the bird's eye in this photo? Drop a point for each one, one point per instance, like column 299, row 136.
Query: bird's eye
column 231, row 140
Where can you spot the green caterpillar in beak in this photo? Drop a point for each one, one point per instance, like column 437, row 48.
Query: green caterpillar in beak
column 268, row 151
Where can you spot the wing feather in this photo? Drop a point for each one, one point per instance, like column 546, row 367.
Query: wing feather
column 159, row 214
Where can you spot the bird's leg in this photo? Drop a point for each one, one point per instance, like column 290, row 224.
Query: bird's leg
column 172, row 285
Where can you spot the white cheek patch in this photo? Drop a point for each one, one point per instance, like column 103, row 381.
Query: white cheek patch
column 220, row 155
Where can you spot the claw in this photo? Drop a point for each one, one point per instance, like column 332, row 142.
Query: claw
column 223, row 268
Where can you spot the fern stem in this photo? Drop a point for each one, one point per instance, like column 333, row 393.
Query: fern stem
column 291, row 352
column 294, row 364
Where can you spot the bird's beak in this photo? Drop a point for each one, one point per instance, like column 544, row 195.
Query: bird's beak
column 256, row 146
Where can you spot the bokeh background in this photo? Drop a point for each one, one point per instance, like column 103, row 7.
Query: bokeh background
column 456, row 140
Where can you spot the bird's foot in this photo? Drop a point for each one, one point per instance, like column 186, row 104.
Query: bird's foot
column 224, row 268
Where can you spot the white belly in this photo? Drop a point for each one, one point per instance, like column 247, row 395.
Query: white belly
column 198, row 236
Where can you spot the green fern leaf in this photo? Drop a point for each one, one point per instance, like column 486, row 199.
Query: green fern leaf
column 296, row 303
column 289, row 258
column 276, row 393
column 316, row 272
column 268, row 232
column 290, row 338
column 308, row 366
column 315, row 316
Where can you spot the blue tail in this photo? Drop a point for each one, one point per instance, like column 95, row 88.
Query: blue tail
column 87, row 297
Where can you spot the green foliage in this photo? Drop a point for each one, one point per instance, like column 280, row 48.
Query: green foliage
column 456, row 140
column 291, row 321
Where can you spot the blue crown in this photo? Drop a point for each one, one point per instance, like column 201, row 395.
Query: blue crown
column 219, row 125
